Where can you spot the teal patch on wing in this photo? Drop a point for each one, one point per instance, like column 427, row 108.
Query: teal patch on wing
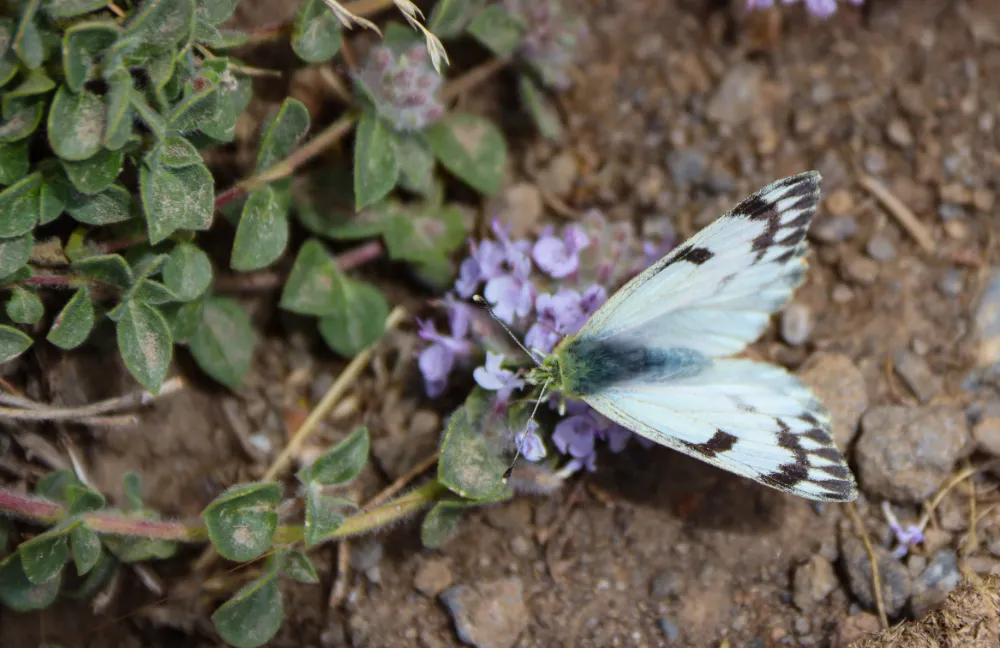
column 591, row 366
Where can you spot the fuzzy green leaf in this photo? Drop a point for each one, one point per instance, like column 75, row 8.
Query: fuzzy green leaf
column 472, row 148
column 36, row 83
column 96, row 173
column 74, row 322
column 326, row 208
column 73, row 8
column 416, row 164
column 55, row 193
column 120, row 114
column 283, row 133
column 253, row 616
column 340, row 464
column 297, row 565
column 54, row 485
column 109, row 268
column 132, row 487
column 24, row 306
column 498, row 30
column 311, row 283
column 223, row 343
column 145, row 343
column 424, row 235
column 376, row 167
column 542, row 112
column 14, row 253
column 471, row 463
column 324, row 516
column 76, row 124
column 188, row 273
column 160, row 24
column 262, row 234
column 147, row 114
column 12, row 343
column 195, row 110
column 215, row 11
column 184, row 319
column 28, row 44
column 242, row 520
column 153, row 293
column 113, row 205
column 235, row 90
column 82, row 499
column 82, row 46
column 20, row 594
column 8, row 60
column 317, row 33
column 175, row 152
column 13, row 162
column 450, row 17
column 357, row 318
column 134, row 549
column 43, row 557
column 19, row 206
column 21, row 118
column 174, row 199
column 85, row 547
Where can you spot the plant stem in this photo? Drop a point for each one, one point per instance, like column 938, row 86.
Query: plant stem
column 272, row 280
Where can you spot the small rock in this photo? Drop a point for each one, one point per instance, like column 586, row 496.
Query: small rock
column 796, row 324
column 854, row 627
column 874, row 161
column 839, row 203
column 687, row 166
column 841, row 294
column 650, row 186
column 560, row 175
column 522, row 547
column 835, row 230
column 951, row 282
column 880, row 248
column 720, row 182
column 860, row 270
column 671, row 631
column 738, row 97
column 987, row 322
column 956, row 228
column 906, row 453
column 914, row 371
column 665, row 584
column 521, row 209
column 488, row 615
column 983, row 199
column 432, row 578
column 365, row 559
column 956, row 192
column 899, row 133
column 987, row 435
column 896, row 583
column 802, row 625
column 948, row 212
column 841, row 387
column 932, row 587
column 812, row 583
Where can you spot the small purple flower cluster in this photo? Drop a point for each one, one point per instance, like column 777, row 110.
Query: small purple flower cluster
column 820, row 8
column 549, row 288
column 404, row 87
column 551, row 40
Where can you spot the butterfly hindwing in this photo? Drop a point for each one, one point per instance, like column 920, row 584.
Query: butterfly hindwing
column 749, row 418
column 716, row 292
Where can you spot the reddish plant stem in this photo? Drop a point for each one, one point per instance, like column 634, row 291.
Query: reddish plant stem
column 30, row 508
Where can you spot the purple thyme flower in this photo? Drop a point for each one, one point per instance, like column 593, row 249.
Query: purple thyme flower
column 820, row 8
column 532, row 446
column 551, row 39
column 906, row 537
column 437, row 360
column 403, row 87
column 577, row 434
column 562, row 314
column 560, row 257
column 495, row 378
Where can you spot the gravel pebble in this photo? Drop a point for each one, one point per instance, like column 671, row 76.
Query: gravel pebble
column 665, row 584
column 737, row 99
column 560, row 175
column 813, row 582
column 854, row 627
column 796, row 324
column 899, row 133
column 987, row 435
column 859, row 269
column 671, row 631
column 987, row 322
column 951, row 282
column 881, row 248
column 521, row 208
column 488, row 615
column 896, row 582
column 839, row 202
column 432, row 577
column 835, row 230
column 932, row 587
column 906, row 453
column 917, row 375
column 841, row 387
column 687, row 166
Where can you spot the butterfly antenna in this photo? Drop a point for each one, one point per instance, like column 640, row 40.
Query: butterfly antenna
column 524, row 435
column 479, row 299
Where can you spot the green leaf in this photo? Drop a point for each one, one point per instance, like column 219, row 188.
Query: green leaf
column 188, row 273
column 340, row 464
column 175, row 152
column 28, row 43
column 13, row 161
column 498, row 30
column 440, row 523
column 242, row 520
column 85, row 547
column 36, row 83
column 24, row 306
column 326, row 207
column 324, row 516
column 223, row 39
column 376, row 167
column 215, row 11
column 399, row 37
column 312, row 281
column 153, row 292
column 424, row 235
column 73, row 8
column 14, row 254
column 74, row 322
column 133, row 549
column 21, row 118
column 76, row 124
column 55, row 485
column 253, row 616
column 109, row 268
column 450, row 17
column 471, row 463
column 145, row 344
column 113, row 205
column 174, row 199
column 147, row 114
column 97, row 579
column 12, row 343
column 19, row 206
column 316, row 34
column 120, row 114
column 195, row 110
column 96, row 173
column 56, row 191
column 262, row 234
column 83, row 44
column 472, row 148
column 43, row 557
column 416, row 164
column 160, row 24
column 357, row 319
column 132, row 487
column 223, row 343
column 542, row 112
column 283, row 133
column 20, row 594
column 297, row 565
column 235, row 91
column 82, row 499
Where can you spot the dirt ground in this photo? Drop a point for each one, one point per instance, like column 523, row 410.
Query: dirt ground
column 682, row 109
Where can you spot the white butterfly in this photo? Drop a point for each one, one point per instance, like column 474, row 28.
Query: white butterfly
column 653, row 357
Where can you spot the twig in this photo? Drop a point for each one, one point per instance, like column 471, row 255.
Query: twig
column 898, row 210
column 401, row 483
column 46, row 413
column 338, row 593
column 952, row 483
column 873, row 559
column 272, row 280
column 472, row 78
column 116, row 9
